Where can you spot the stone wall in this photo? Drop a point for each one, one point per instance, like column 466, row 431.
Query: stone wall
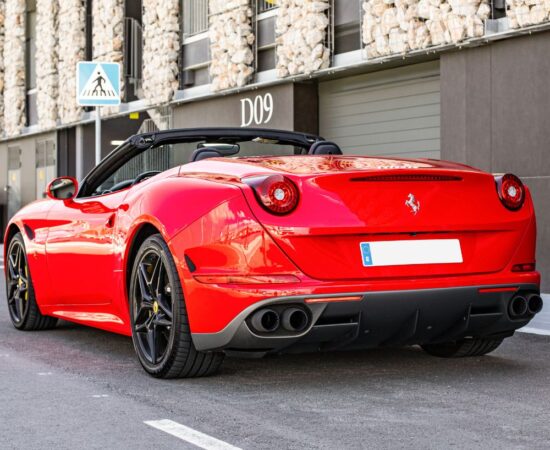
column 231, row 40
column 2, row 31
column 71, row 36
column 301, row 36
column 399, row 26
column 522, row 13
column 46, row 63
column 14, row 63
column 161, row 27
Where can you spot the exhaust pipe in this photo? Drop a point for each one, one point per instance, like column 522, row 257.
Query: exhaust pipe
column 295, row 319
column 518, row 306
column 534, row 303
column 265, row 320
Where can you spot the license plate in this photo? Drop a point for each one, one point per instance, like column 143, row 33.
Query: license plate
column 401, row 253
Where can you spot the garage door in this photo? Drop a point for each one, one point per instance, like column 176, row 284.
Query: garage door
column 393, row 112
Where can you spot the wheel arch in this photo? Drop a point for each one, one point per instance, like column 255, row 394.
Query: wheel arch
column 11, row 231
column 142, row 232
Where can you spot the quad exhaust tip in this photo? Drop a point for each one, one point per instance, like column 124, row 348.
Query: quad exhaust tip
column 265, row 320
column 293, row 319
column 534, row 303
column 518, row 306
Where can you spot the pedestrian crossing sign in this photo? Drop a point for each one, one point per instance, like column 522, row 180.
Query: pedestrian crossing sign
column 97, row 83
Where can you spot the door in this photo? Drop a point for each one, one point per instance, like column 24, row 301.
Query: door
column 81, row 250
column 45, row 166
column 388, row 113
column 14, row 181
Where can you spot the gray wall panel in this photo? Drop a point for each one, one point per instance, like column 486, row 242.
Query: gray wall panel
column 495, row 103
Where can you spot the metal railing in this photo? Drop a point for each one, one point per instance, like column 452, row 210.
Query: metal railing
column 266, row 5
column 133, row 52
column 195, row 17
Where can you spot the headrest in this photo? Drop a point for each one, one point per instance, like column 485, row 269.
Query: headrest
column 325, row 148
column 204, row 153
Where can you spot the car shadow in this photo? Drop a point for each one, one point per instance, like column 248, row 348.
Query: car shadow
column 78, row 348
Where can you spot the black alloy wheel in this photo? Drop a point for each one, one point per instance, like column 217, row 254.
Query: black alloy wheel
column 160, row 327
column 22, row 306
column 153, row 318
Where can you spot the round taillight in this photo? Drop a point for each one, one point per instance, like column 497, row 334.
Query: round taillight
column 276, row 193
column 511, row 191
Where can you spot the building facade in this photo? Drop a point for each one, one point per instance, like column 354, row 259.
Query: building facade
column 464, row 80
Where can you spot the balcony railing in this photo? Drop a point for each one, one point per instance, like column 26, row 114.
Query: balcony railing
column 195, row 17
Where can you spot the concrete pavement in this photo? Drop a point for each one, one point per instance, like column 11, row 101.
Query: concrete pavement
column 79, row 387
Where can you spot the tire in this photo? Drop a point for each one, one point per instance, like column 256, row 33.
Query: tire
column 163, row 344
column 24, row 312
column 463, row 347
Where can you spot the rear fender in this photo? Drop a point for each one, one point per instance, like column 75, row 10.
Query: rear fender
column 228, row 240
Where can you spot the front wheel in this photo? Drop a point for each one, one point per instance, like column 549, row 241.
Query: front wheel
column 463, row 347
column 24, row 312
column 160, row 326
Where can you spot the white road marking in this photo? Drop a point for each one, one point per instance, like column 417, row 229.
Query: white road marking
column 189, row 435
column 532, row 330
column 44, row 374
column 100, row 396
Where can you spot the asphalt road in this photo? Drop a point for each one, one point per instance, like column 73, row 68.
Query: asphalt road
column 75, row 387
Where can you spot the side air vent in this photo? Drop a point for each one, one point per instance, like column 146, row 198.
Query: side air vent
column 406, row 177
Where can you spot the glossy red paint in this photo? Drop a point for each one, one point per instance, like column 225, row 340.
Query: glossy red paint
column 79, row 249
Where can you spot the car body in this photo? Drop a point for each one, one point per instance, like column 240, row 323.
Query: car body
column 376, row 251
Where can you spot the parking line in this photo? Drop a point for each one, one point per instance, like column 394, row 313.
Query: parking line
column 189, row 435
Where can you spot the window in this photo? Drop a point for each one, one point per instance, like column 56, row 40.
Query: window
column 347, row 27
column 195, row 17
column 195, row 56
column 30, row 63
column 265, row 34
column 133, row 49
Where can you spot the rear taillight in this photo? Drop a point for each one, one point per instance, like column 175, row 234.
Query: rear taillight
column 511, row 191
column 276, row 193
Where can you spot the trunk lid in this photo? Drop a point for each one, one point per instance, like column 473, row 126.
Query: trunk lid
column 347, row 202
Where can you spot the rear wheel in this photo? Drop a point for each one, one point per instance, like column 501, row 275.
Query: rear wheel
column 160, row 327
column 23, row 309
column 463, row 347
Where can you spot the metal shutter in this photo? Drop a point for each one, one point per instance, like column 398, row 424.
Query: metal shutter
column 393, row 112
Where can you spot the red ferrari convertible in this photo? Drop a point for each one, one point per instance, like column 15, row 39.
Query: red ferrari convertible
column 290, row 246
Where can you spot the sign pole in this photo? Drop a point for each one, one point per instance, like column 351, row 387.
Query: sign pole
column 97, row 135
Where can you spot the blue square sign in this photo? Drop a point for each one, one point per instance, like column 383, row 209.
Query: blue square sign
column 97, row 83
column 366, row 254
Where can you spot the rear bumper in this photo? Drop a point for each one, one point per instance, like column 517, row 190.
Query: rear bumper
column 404, row 317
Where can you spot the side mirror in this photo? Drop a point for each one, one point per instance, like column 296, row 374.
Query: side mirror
column 62, row 188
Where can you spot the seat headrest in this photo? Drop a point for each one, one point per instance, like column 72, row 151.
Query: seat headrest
column 324, row 148
column 204, row 153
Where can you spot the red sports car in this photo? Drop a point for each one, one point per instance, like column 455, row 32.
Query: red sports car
column 301, row 250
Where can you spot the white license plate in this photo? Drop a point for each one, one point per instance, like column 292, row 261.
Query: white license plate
column 401, row 253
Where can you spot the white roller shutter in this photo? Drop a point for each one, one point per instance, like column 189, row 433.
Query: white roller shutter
column 393, row 112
